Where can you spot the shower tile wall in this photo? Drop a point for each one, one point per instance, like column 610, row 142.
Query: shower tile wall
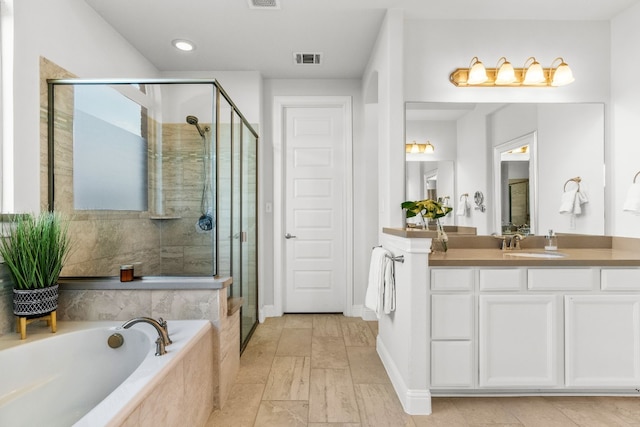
column 104, row 240
column 185, row 251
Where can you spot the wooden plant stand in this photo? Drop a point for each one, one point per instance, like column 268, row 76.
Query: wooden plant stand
column 23, row 321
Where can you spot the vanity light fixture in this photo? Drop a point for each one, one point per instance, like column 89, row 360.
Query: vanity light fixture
column 183, row 45
column 532, row 74
column 477, row 72
column 505, row 74
column 562, row 74
column 429, row 148
column 415, row 148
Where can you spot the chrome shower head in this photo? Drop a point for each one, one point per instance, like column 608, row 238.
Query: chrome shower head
column 193, row 120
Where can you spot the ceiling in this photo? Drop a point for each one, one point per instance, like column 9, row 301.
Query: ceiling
column 231, row 36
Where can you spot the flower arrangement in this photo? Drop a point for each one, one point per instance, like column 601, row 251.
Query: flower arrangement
column 429, row 209
column 426, row 208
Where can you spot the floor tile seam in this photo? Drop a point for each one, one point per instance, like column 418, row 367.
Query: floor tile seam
column 506, row 407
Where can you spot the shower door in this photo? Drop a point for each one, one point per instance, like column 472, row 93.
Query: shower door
column 240, row 204
column 249, row 234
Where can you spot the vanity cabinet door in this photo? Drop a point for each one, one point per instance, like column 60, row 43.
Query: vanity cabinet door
column 518, row 341
column 451, row 364
column 602, row 339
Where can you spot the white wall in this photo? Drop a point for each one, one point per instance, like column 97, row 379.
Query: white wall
column 385, row 71
column 439, row 47
column 625, row 119
column 243, row 87
column 74, row 36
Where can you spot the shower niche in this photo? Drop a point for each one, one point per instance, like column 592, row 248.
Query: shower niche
column 161, row 174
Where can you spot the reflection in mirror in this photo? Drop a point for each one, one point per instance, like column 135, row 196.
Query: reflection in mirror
column 431, row 180
column 514, row 185
column 570, row 142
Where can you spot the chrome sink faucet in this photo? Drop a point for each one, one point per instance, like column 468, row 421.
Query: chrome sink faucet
column 161, row 327
column 511, row 242
column 515, row 241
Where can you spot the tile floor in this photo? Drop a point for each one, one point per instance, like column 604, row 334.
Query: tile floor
column 323, row 370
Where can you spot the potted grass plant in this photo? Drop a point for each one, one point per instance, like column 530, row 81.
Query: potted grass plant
column 34, row 250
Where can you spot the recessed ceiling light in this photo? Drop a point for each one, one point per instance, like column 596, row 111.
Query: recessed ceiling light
column 184, row 45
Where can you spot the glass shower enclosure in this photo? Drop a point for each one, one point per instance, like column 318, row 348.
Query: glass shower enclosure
column 161, row 174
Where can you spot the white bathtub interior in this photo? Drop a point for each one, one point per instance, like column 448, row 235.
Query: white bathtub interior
column 76, row 378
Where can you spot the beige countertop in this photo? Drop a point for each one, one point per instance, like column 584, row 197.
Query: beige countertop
column 417, row 233
column 574, row 257
column 469, row 250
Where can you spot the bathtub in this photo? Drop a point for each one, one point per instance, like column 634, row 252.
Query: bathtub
column 75, row 378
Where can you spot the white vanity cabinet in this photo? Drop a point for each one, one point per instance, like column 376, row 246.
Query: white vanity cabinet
column 575, row 329
column 452, row 328
column 518, row 341
column 602, row 341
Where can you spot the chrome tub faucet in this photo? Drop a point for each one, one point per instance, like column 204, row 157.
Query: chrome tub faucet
column 161, row 327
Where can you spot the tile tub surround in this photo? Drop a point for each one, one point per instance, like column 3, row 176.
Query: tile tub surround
column 167, row 297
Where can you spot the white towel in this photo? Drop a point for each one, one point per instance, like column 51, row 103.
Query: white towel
column 632, row 203
column 568, row 201
column 389, row 290
column 380, row 296
column 572, row 201
column 581, row 199
column 463, row 208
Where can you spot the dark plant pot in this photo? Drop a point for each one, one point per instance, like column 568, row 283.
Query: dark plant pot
column 35, row 302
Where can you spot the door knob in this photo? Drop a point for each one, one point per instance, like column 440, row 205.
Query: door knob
column 289, row 236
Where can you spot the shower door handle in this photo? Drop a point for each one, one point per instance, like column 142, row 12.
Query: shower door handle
column 289, row 236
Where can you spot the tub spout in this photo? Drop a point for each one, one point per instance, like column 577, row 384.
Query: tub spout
column 163, row 337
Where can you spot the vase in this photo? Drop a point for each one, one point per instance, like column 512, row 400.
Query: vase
column 35, row 302
column 439, row 244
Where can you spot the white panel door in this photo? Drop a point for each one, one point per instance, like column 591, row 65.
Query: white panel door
column 602, row 339
column 518, row 341
column 314, row 223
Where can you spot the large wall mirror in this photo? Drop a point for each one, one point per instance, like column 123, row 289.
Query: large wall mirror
column 515, row 185
column 569, row 141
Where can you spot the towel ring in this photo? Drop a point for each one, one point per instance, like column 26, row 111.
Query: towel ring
column 577, row 180
column 634, row 178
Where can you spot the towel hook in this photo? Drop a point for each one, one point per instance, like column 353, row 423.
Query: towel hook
column 577, row 180
column 634, row 178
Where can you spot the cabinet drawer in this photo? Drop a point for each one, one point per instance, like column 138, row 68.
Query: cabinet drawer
column 563, row 279
column 620, row 279
column 452, row 316
column 452, row 279
column 512, row 279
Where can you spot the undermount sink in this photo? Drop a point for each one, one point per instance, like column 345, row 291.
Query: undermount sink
column 536, row 254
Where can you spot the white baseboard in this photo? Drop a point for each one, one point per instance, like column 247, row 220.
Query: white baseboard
column 368, row 314
column 267, row 311
column 356, row 311
column 414, row 402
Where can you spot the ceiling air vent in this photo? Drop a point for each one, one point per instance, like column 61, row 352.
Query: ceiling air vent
column 264, row 4
column 307, row 58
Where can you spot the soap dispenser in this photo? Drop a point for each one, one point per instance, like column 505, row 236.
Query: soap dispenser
column 552, row 242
